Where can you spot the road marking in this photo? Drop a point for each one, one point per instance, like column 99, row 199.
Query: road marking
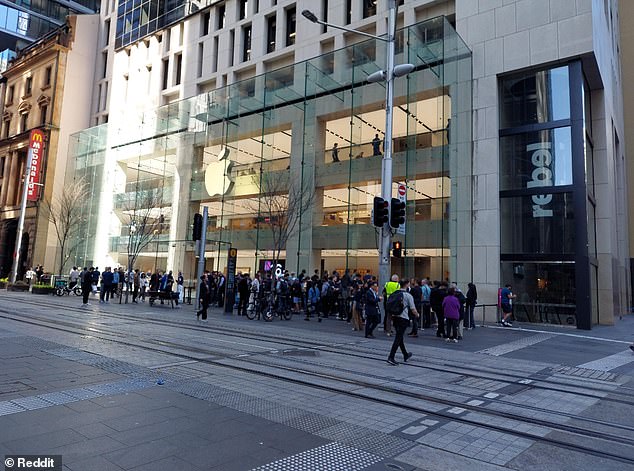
column 610, row 362
column 505, row 348
column 565, row 334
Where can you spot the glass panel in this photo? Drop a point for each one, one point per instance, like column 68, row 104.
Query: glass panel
column 535, row 160
column 537, row 224
column 539, row 97
column 216, row 150
column 545, row 291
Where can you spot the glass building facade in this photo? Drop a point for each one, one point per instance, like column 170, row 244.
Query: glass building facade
column 269, row 140
column 548, row 244
column 137, row 19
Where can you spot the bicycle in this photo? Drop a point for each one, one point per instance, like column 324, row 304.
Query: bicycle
column 62, row 290
column 260, row 307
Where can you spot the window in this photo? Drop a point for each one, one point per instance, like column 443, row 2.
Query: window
column 179, row 69
column 220, row 16
column 244, row 6
column 214, row 67
column 232, row 40
column 290, row 26
column 348, row 12
column 106, row 38
column 10, row 93
column 181, row 32
column 43, row 113
column 168, row 39
column 246, row 43
column 538, row 97
column 5, row 128
column 256, row 6
column 324, row 9
column 29, row 86
column 369, row 8
column 24, row 119
column 271, row 24
column 2, row 160
column 104, row 62
column 48, row 73
column 165, row 73
column 204, row 27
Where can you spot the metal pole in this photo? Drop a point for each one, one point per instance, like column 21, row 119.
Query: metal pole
column 386, row 164
column 201, row 253
column 18, row 242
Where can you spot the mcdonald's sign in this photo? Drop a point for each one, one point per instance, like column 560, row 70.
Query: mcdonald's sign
column 36, row 149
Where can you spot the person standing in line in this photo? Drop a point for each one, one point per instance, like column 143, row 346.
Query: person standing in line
column 180, row 288
column 335, row 152
column 462, row 300
column 376, row 145
column 417, row 293
column 436, row 297
column 506, row 303
column 136, row 283
column 73, row 277
column 95, row 278
column 143, row 284
column 372, row 310
column 472, row 300
column 106, row 286
column 243, row 292
column 86, row 285
column 401, row 321
column 451, row 311
column 115, row 284
column 203, row 296
column 390, row 287
column 426, row 290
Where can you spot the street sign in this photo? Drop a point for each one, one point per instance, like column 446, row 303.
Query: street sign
column 402, row 195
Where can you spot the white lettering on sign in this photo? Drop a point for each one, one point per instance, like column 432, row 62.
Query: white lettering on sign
column 542, row 176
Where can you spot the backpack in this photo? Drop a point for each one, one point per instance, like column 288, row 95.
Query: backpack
column 395, row 304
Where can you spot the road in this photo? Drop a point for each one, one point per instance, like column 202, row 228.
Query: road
column 136, row 387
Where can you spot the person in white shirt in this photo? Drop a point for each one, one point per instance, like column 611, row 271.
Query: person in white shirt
column 73, row 276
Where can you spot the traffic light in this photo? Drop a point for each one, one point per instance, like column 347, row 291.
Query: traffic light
column 397, row 213
column 197, row 233
column 380, row 215
column 396, row 249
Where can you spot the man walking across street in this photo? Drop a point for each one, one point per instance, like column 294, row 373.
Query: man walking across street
column 399, row 306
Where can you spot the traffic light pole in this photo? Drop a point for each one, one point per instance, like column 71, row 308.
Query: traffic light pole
column 386, row 164
column 201, row 254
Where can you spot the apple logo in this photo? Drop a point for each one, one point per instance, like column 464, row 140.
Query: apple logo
column 217, row 180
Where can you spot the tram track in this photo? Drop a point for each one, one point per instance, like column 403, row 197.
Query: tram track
column 538, row 381
column 256, row 365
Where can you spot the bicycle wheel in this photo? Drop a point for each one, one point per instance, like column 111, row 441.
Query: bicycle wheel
column 267, row 314
column 286, row 314
column 252, row 311
column 59, row 292
column 77, row 291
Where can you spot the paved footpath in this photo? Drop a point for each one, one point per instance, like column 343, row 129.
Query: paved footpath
column 134, row 387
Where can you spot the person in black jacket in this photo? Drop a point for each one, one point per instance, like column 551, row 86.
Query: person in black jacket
column 472, row 300
column 438, row 293
column 203, row 295
column 372, row 312
column 417, row 293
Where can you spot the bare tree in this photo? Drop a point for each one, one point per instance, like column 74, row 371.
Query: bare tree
column 144, row 220
column 281, row 202
column 65, row 213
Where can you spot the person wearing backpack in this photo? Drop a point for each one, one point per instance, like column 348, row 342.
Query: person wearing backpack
column 399, row 306
column 389, row 288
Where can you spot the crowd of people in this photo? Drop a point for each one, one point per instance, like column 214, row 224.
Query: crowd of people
column 113, row 282
column 359, row 300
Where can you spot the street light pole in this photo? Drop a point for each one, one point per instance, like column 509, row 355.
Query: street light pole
column 386, row 164
column 388, row 76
